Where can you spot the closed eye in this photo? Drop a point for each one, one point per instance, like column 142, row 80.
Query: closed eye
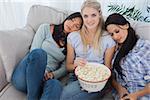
column 117, row 31
column 111, row 34
column 77, row 26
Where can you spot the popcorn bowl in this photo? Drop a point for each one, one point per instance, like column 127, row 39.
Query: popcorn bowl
column 93, row 76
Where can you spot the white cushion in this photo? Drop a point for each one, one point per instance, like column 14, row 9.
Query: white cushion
column 142, row 29
column 44, row 14
column 3, row 81
column 13, row 47
column 10, row 93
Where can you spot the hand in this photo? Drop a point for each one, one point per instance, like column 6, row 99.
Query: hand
column 122, row 92
column 49, row 75
column 131, row 96
column 80, row 62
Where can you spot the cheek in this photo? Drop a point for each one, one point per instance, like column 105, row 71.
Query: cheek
column 84, row 20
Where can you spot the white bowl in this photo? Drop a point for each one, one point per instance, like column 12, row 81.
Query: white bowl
column 93, row 83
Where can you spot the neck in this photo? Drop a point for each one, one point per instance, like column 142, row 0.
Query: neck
column 92, row 31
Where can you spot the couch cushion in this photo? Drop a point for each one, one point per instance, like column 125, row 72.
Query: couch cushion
column 141, row 28
column 10, row 93
column 13, row 47
column 3, row 81
column 43, row 14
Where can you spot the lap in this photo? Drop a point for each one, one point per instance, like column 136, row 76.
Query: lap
column 73, row 91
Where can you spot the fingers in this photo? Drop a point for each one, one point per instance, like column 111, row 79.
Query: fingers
column 80, row 62
column 49, row 75
column 125, row 97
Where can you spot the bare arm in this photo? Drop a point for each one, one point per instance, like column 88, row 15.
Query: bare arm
column 109, row 56
column 140, row 93
column 70, row 58
column 133, row 96
column 120, row 89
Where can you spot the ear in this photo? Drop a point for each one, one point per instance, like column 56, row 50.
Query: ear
column 100, row 12
column 126, row 26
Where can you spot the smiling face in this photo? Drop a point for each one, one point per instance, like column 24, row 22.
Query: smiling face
column 91, row 17
column 118, row 32
column 72, row 25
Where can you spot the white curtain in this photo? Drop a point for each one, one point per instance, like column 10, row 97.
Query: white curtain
column 13, row 13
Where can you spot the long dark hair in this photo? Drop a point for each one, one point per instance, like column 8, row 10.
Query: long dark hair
column 58, row 33
column 127, row 45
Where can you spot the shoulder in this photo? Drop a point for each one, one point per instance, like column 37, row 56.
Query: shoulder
column 141, row 43
column 75, row 34
column 106, row 37
column 73, row 38
column 107, row 40
column 45, row 25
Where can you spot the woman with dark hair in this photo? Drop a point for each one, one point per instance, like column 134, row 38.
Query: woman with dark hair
column 46, row 60
column 131, row 65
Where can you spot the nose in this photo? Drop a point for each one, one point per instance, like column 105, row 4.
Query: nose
column 89, row 20
column 72, row 25
column 115, row 36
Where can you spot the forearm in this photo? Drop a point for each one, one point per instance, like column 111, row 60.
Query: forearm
column 120, row 89
column 116, row 85
column 60, row 72
column 144, row 91
column 71, row 67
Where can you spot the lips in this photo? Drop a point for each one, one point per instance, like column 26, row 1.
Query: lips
column 119, row 40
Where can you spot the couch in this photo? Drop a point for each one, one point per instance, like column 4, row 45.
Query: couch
column 14, row 44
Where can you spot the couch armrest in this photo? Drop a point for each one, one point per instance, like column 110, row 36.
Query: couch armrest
column 3, row 81
column 14, row 44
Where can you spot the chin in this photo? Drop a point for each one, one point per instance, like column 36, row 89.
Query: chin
column 120, row 42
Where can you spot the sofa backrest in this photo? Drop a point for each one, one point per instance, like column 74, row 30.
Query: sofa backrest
column 43, row 14
column 142, row 29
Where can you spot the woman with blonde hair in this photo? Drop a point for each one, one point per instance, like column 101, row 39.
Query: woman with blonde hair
column 90, row 44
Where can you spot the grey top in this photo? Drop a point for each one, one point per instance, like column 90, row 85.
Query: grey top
column 74, row 39
column 55, row 58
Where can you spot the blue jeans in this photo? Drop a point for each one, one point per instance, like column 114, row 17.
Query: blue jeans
column 28, row 77
column 73, row 92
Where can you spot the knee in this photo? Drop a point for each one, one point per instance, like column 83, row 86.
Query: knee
column 54, row 83
column 54, row 86
column 19, row 84
column 38, row 54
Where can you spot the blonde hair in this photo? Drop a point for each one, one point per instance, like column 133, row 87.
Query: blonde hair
column 96, row 5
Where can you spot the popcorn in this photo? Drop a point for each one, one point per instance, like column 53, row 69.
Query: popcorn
column 93, row 73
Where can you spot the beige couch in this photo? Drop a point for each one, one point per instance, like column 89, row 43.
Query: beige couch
column 14, row 44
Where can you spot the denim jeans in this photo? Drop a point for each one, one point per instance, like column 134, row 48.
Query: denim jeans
column 28, row 77
column 73, row 91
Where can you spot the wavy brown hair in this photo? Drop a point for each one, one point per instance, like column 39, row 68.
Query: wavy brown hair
column 127, row 45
